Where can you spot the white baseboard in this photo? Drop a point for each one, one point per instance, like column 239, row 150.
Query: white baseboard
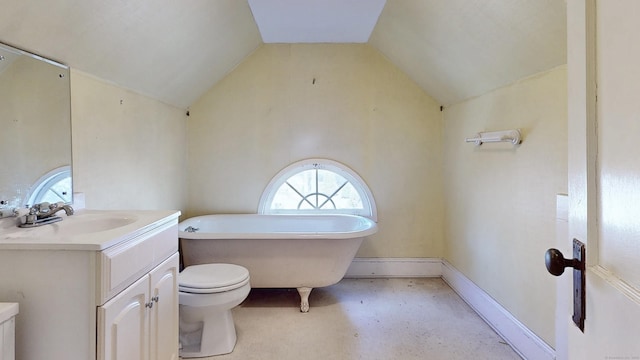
column 522, row 340
column 394, row 267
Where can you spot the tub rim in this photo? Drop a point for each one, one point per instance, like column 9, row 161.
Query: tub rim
column 370, row 228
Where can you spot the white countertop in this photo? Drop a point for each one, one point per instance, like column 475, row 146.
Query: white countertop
column 7, row 311
column 85, row 230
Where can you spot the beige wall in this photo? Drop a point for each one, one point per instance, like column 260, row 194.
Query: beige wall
column 500, row 199
column 348, row 103
column 128, row 149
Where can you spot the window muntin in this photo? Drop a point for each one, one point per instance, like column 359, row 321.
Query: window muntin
column 317, row 186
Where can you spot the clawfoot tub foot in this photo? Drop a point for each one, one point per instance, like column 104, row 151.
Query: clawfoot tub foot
column 304, row 298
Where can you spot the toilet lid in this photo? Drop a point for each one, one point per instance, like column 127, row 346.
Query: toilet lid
column 211, row 278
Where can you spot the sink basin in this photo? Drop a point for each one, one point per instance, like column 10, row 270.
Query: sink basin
column 90, row 223
column 74, row 225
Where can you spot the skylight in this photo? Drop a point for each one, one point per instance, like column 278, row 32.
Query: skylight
column 316, row 21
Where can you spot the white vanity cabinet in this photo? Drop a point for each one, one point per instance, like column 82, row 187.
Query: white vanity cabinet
column 106, row 296
column 141, row 321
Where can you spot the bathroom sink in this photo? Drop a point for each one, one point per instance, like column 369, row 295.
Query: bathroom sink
column 87, row 229
column 70, row 226
column 89, row 223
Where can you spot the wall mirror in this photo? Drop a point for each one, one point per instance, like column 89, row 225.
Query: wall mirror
column 35, row 130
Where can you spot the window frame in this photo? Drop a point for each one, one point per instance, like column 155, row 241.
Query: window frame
column 369, row 207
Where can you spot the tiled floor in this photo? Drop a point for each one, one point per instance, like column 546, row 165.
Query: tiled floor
column 364, row 319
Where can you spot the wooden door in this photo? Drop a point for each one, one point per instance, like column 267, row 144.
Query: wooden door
column 604, row 176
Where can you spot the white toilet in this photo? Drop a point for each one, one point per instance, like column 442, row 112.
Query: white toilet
column 207, row 294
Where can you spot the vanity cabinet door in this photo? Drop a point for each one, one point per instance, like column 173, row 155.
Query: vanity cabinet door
column 8, row 339
column 123, row 324
column 163, row 329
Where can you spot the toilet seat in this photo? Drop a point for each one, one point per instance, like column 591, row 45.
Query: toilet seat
column 212, row 278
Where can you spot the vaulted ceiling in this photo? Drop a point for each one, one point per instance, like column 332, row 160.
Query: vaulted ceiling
column 174, row 51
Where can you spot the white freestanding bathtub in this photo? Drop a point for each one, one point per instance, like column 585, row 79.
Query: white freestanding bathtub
column 280, row 251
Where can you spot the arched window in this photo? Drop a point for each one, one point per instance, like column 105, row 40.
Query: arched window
column 318, row 186
column 52, row 187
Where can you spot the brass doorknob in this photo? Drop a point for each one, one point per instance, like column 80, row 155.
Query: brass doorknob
column 555, row 262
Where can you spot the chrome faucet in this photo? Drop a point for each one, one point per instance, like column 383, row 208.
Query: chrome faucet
column 45, row 210
column 43, row 213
